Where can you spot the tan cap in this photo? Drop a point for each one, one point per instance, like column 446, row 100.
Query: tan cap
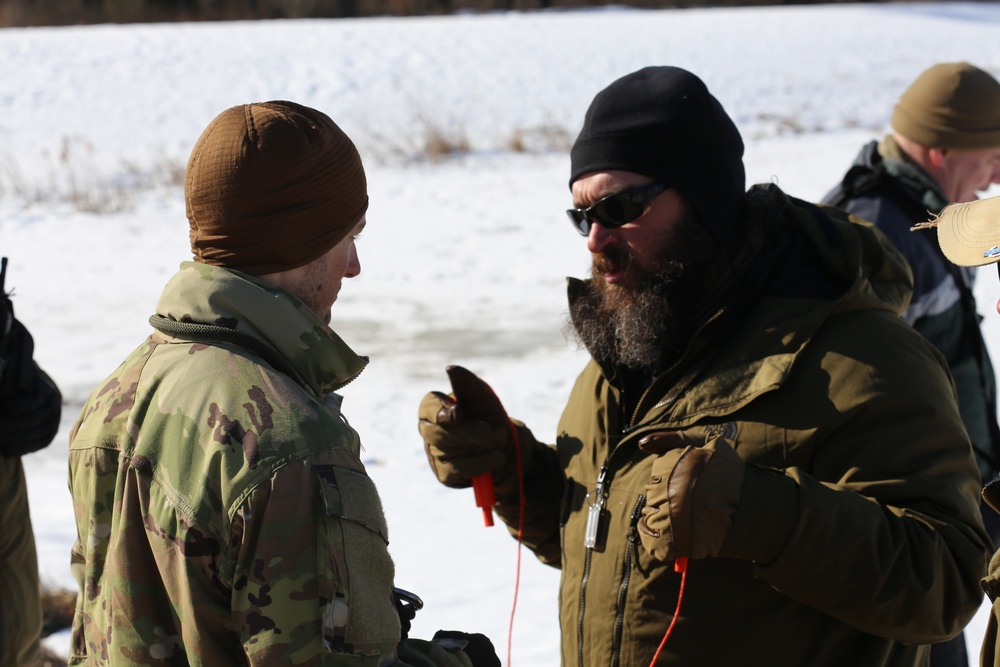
column 950, row 105
column 272, row 186
column 969, row 233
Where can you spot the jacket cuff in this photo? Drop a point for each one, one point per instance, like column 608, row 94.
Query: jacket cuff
column 767, row 516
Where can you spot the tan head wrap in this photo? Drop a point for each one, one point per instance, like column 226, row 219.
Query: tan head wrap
column 272, row 186
column 951, row 105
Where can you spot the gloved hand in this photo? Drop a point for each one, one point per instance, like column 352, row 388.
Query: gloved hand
column 458, row 449
column 449, row 648
column 691, row 497
column 477, row 647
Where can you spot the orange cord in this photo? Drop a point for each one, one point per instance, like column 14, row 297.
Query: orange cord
column 520, row 536
column 680, row 565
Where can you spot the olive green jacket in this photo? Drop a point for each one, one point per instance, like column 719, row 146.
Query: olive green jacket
column 223, row 514
column 990, row 655
column 858, row 536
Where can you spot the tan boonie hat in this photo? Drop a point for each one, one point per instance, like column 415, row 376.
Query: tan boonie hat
column 969, row 233
column 951, row 106
column 272, row 186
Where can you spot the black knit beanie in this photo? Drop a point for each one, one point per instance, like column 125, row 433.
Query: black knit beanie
column 662, row 122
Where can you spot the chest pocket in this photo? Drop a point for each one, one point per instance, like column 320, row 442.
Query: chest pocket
column 355, row 571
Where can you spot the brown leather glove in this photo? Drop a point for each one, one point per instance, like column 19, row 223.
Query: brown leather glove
column 692, row 495
column 458, row 449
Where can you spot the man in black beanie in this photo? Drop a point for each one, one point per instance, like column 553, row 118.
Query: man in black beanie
column 761, row 464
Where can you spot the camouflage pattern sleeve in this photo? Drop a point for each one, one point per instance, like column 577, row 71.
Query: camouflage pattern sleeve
column 305, row 579
column 312, row 577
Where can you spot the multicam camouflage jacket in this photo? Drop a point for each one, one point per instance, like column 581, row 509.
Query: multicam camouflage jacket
column 223, row 514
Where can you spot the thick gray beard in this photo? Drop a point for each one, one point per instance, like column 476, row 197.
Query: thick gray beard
column 648, row 329
column 641, row 333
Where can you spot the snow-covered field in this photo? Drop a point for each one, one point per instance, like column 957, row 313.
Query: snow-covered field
column 463, row 259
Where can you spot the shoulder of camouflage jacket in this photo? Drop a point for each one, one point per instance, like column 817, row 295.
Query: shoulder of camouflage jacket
column 236, row 418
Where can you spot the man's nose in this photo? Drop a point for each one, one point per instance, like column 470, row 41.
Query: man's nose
column 599, row 238
column 353, row 265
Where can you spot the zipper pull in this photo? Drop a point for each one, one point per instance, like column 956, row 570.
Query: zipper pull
column 633, row 524
column 596, row 499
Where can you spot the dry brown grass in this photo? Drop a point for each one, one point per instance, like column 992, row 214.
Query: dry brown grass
column 50, row 659
column 57, row 614
column 57, row 609
column 72, row 12
column 73, row 175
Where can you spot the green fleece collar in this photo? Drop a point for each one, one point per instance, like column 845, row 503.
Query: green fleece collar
column 899, row 165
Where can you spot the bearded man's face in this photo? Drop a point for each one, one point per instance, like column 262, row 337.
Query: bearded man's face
column 647, row 277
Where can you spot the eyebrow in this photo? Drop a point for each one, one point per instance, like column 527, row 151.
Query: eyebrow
column 607, row 192
column 613, row 189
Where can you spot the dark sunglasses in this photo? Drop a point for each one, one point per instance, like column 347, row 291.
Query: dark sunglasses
column 617, row 209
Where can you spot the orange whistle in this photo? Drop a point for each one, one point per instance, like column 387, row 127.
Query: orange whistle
column 483, row 486
column 477, row 401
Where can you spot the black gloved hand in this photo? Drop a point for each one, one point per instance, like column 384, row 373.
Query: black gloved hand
column 476, row 646
column 30, row 403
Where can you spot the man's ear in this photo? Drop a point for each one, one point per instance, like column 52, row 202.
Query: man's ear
column 937, row 156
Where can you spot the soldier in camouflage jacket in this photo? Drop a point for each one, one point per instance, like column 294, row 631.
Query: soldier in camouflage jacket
column 223, row 514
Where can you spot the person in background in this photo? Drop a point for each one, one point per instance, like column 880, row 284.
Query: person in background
column 224, row 516
column 969, row 235
column 30, row 407
column 944, row 148
column 761, row 464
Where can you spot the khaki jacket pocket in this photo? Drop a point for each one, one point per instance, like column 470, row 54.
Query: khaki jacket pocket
column 356, row 572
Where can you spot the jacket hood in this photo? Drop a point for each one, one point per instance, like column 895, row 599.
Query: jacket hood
column 214, row 304
column 857, row 253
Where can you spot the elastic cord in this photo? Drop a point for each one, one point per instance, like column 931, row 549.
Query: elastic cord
column 520, row 534
column 680, row 565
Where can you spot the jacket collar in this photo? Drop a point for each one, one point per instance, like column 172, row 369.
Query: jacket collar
column 203, row 302
column 910, row 175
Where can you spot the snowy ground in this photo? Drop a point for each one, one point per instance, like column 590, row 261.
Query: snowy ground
column 463, row 259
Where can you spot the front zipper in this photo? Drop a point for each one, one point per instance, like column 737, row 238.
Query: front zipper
column 592, row 537
column 630, row 548
column 589, row 541
column 583, row 607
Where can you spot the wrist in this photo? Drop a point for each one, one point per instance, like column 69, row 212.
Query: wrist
column 767, row 516
column 520, row 458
